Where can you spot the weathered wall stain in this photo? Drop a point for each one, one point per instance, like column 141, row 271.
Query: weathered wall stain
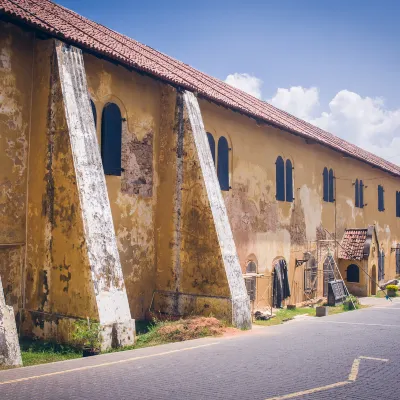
column 137, row 161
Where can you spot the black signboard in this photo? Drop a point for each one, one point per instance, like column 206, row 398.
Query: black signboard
column 336, row 292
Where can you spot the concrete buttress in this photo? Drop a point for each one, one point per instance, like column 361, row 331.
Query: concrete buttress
column 241, row 316
column 106, row 272
column 10, row 354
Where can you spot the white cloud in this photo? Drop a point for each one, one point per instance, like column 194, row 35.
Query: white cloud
column 297, row 100
column 248, row 83
column 363, row 121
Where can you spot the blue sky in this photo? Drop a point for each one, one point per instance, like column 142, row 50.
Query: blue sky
column 342, row 56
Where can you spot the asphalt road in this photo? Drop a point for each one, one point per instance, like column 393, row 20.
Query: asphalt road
column 354, row 355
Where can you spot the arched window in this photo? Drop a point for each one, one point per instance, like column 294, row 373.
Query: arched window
column 211, row 143
column 331, row 186
column 251, row 267
column 381, row 203
column 381, row 265
column 111, row 139
column 280, row 179
column 94, row 112
column 353, row 273
column 325, row 176
column 223, row 163
column 289, row 181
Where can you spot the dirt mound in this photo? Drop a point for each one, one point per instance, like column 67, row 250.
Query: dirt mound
column 191, row 328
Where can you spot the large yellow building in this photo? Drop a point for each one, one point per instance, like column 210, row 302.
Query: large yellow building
column 131, row 183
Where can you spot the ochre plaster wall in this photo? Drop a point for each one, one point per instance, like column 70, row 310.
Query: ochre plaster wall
column 58, row 280
column 132, row 203
column 15, row 98
column 265, row 228
column 144, row 199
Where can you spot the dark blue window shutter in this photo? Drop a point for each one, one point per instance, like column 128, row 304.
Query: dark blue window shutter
column 379, row 197
column 357, row 194
column 223, row 163
column 326, row 184
column 397, row 204
column 289, row 181
column 111, row 139
column 280, row 179
column 383, row 198
column 331, row 186
column 381, row 205
column 94, row 112
column 361, row 194
column 211, row 142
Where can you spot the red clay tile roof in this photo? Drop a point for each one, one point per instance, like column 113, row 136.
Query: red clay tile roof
column 353, row 244
column 71, row 27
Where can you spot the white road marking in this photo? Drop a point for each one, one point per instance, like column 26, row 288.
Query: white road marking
column 351, row 379
column 106, row 364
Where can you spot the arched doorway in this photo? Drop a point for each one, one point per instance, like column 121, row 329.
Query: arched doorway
column 373, row 280
column 280, row 283
column 251, row 268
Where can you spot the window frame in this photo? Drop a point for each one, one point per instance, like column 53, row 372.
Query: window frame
column 110, row 165
column 223, row 170
column 280, row 173
column 289, row 195
column 381, row 198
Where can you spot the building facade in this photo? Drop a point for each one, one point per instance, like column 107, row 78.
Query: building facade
column 123, row 194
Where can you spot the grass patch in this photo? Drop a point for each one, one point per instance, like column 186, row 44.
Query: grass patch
column 38, row 352
column 149, row 333
column 285, row 315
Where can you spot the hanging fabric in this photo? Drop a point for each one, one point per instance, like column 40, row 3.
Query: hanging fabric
column 281, row 288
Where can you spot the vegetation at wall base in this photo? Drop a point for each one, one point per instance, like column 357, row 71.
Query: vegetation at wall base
column 41, row 352
column 149, row 333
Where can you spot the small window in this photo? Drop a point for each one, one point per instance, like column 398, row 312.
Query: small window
column 359, row 193
column 381, row 265
column 94, row 112
column 211, row 142
column 398, row 204
column 289, row 181
column 381, row 204
column 353, row 273
column 111, row 139
column 328, row 185
column 280, row 179
column 223, row 163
